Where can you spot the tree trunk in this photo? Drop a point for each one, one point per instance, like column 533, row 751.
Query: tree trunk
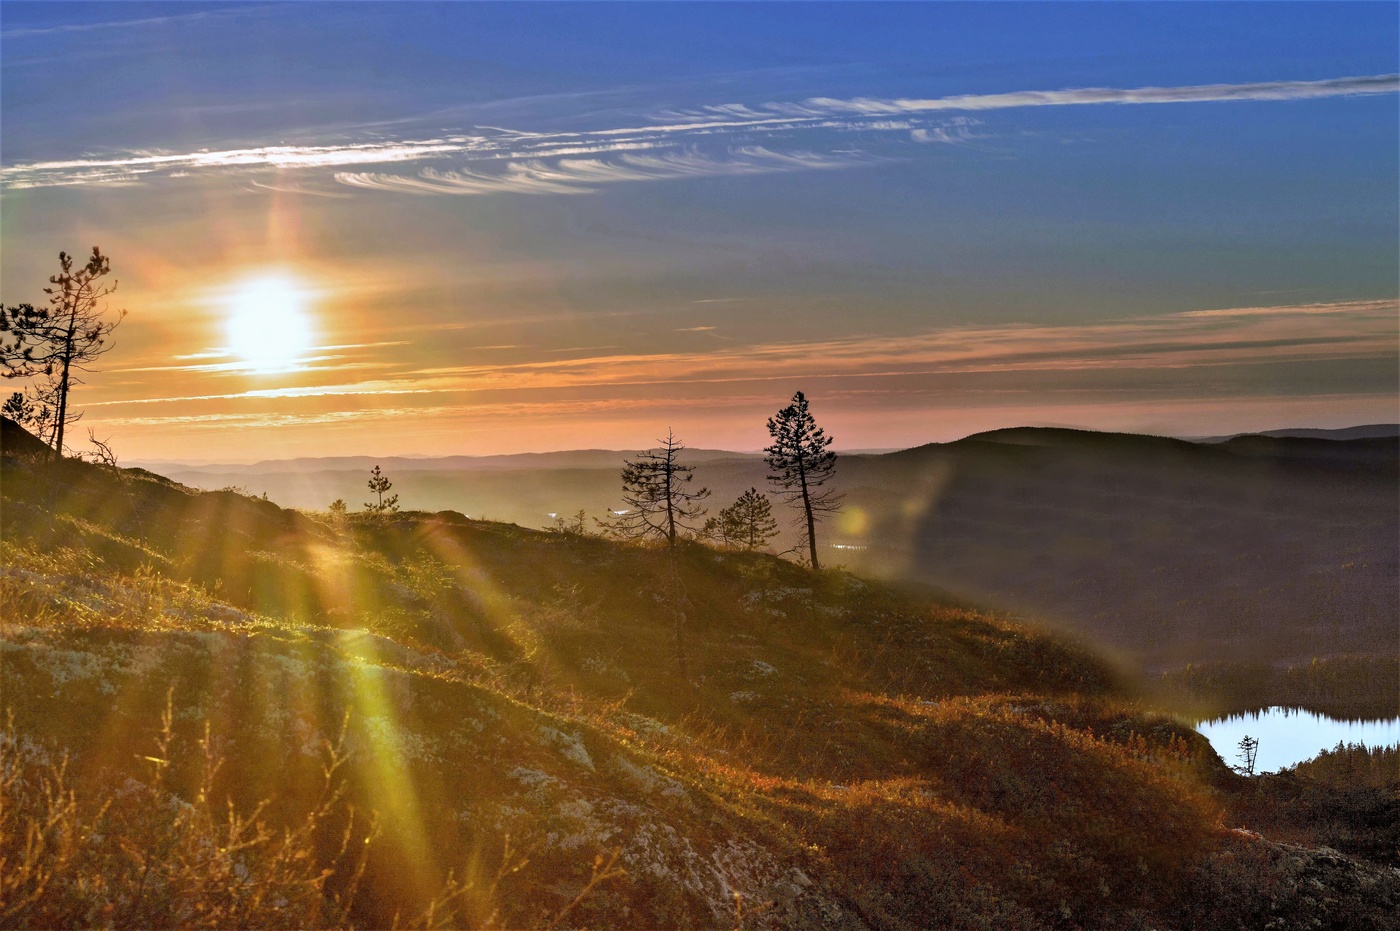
column 670, row 510
column 811, row 523
column 63, row 384
column 63, row 398
column 670, row 517
column 675, row 595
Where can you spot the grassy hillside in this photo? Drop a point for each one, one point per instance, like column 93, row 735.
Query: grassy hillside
column 273, row 720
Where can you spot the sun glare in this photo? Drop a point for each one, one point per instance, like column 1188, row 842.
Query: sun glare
column 268, row 323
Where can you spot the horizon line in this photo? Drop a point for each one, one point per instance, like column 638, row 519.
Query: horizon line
column 855, row 451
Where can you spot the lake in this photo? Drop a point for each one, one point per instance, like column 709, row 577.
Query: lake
column 1291, row 735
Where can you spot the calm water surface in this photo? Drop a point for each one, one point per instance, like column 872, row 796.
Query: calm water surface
column 1290, row 735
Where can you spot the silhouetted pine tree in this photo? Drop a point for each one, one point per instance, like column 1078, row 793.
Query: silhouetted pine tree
column 747, row 523
column 660, row 502
column 58, row 341
column 802, row 464
column 379, row 484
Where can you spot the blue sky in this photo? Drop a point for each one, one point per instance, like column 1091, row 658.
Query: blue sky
column 540, row 226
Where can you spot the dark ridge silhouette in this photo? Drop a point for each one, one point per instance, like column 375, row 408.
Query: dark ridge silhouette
column 1256, row 549
column 1367, row 431
column 17, row 441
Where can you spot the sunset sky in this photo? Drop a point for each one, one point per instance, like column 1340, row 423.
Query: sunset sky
column 418, row 228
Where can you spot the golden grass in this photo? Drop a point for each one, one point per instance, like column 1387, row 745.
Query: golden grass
column 835, row 754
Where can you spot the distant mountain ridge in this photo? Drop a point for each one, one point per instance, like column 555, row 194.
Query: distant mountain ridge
column 608, row 458
column 564, row 459
column 1370, row 431
column 1260, row 547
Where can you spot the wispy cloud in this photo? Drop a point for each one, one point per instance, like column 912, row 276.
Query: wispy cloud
column 1205, row 339
column 955, row 131
column 582, row 176
column 386, row 387
column 710, row 141
column 132, row 165
column 1189, row 340
column 318, row 360
column 60, row 29
column 817, row 107
column 1288, row 310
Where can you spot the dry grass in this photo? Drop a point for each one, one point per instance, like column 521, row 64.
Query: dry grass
column 78, row 852
column 836, row 753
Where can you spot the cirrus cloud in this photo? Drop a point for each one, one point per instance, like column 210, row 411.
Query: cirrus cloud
column 667, row 148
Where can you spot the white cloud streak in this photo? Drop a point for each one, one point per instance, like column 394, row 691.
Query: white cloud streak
column 547, row 163
column 582, row 176
column 820, row 107
column 1193, row 340
column 128, row 167
column 24, row 32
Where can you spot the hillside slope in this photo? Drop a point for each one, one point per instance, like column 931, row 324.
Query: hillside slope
column 1258, row 548
column 719, row 741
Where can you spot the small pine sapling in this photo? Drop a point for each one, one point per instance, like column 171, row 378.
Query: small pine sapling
column 746, row 524
column 379, row 484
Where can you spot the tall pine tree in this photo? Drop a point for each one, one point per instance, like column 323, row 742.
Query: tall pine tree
column 58, row 341
column 801, row 465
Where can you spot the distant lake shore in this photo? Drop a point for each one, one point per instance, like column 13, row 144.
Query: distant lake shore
column 1290, row 735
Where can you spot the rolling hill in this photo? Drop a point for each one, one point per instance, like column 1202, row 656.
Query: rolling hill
column 226, row 713
column 1257, row 548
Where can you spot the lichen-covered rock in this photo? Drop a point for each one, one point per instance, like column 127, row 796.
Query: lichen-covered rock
column 1252, row 882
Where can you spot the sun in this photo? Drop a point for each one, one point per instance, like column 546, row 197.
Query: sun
column 269, row 326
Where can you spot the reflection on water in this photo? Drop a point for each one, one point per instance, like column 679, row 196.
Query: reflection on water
column 1291, row 735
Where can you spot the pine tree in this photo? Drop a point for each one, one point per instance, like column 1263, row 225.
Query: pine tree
column 34, row 409
column 575, row 525
column 379, row 484
column 801, row 465
column 747, row 523
column 18, row 408
column 660, row 502
column 59, row 341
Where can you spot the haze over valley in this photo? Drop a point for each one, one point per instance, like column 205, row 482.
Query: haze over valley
column 1252, row 547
